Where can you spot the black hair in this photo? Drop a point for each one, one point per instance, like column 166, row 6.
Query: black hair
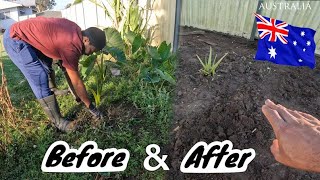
column 96, row 36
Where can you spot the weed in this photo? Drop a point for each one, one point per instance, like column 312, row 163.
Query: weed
column 209, row 67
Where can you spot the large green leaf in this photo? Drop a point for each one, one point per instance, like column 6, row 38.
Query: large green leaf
column 89, row 60
column 87, row 65
column 154, row 78
column 166, row 76
column 130, row 36
column 136, row 43
column 164, row 50
column 114, row 38
column 153, row 52
column 134, row 18
column 116, row 53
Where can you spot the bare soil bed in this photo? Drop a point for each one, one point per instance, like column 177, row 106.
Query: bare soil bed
column 228, row 106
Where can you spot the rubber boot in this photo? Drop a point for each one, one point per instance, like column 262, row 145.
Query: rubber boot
column 53, row 85
column 51, row 108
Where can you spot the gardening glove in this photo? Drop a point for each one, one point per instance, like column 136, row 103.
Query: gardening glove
column 95, row 112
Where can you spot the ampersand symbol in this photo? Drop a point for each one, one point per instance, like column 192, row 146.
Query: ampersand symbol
column 155, row 156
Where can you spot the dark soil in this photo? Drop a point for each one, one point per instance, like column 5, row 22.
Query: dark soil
column 228, row 106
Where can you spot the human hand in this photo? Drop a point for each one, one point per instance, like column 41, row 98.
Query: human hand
column 297, row 142
column 95, row 112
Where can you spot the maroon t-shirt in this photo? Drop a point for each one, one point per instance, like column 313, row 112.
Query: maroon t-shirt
column 57, row 38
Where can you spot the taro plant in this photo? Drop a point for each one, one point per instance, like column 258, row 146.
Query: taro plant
column 155, row 62
column 158, row 64
column 97, row 63
column 130, row 39
column 208, row 66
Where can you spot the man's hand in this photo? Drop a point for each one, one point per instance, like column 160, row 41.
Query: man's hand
column 297, row 142
column 95, row 112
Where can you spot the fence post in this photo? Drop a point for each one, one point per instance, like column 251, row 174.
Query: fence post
column 176, row 26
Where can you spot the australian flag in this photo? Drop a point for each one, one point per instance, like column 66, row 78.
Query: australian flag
column 284, row 44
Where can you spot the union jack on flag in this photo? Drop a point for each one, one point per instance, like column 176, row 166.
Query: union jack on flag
column 282, row 43
column 272, row 27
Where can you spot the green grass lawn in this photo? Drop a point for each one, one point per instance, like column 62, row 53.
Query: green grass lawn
column 138, row 114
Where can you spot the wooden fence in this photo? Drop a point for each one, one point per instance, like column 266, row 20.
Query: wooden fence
column 87, row 14
column 236, row 17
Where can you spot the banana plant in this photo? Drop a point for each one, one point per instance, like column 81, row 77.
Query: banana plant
column 126, row 18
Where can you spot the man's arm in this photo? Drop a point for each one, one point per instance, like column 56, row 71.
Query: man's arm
column 81, row 91
column 79, row 86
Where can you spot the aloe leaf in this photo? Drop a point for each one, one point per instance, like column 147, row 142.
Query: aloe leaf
column 219, row 61
column 203, row 65
column 210, row 58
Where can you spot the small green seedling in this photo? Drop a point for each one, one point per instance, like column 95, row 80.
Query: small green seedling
column 209, row 67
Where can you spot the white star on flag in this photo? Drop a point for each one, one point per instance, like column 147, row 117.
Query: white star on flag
column 302, row 33
column 272, row 52
column 294, row 43
column 304, row 49
column 300, row 60
column 308, row 43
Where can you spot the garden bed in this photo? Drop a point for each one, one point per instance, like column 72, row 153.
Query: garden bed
column 228, row 106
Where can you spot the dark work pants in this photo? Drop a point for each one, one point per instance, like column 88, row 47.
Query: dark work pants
column 32, row 63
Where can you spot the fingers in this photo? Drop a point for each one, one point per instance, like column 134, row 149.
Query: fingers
column 286, row 114
column 274, row 118
column 295, row 113
column 275, row 107
column 271, row 104
column 308, row 116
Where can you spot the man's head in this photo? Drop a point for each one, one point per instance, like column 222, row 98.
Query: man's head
column 94, row 39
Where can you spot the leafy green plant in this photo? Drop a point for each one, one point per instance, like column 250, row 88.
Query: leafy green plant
column 155, row 61
column 208, row 66
column 127, row 18
column 114, row 48
column 100, row 78
column 158, row 64
column 129, row 39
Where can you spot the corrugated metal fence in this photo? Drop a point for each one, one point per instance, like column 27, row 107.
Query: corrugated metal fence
column 87, row 14
column 236, row 17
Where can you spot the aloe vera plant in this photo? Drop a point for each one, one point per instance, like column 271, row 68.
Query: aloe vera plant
column 208, row 66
